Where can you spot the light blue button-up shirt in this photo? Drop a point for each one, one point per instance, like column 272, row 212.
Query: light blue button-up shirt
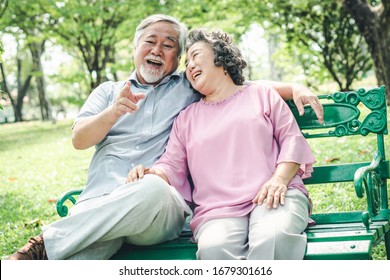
column 137, row 138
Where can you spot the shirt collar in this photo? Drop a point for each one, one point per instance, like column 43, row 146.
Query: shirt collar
column 134, row 79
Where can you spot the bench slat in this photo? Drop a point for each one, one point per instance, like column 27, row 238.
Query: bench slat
column 339, row 250
column 348, row 217
column 341, row 172
column 181, row 249
column 342, row 235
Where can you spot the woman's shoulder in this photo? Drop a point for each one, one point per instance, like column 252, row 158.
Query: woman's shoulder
column 260, row 86
column 189, row 110
column 261, row 89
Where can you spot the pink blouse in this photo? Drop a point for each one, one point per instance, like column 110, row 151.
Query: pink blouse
column 231, row 148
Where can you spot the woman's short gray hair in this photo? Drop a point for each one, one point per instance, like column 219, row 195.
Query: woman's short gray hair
column 181, row 29
column 226, row 53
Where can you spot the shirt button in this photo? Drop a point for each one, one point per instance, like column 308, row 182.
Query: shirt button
column 132, row 165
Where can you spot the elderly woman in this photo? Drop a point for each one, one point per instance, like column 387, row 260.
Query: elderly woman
column 246, row 156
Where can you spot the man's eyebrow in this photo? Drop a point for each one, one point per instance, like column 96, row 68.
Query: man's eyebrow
column 150, row 36
column 172, row 38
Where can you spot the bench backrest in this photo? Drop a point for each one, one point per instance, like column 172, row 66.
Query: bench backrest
column 359, row 112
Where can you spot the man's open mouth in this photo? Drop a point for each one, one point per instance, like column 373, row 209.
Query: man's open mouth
column 154, row 62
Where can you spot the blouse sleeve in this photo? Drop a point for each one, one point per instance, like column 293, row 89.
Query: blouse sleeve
column 292, row 144
column 174, row 162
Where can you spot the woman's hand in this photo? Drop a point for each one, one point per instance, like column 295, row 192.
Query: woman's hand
column 302, row 96
column 273, row 191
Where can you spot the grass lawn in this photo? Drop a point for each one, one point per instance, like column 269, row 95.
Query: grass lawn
column 38, row 163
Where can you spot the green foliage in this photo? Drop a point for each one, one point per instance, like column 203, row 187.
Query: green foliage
column 98, row 34
column 93, row 29
column 323, row 37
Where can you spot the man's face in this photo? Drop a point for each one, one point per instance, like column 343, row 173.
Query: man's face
column 156, row 55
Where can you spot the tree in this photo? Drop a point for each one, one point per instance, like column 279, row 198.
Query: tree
column 373, row 20
column 94, row 28
column 320, row 35
column 23, row 80
column 3, row 7
column 1, row 65
column 23, row 19
column 326, row 31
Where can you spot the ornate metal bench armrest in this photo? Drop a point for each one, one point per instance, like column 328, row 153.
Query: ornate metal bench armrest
column 62, row 209
column 367, row 180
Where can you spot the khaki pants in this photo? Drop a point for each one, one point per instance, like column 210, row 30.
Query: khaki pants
column 142, row 213
column 264, row 234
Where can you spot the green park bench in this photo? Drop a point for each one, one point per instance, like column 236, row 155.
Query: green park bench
column 337, row 235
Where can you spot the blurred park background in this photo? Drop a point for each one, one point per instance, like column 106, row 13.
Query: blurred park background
column 55, row 52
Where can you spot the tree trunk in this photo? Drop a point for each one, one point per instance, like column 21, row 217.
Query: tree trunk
column 374, row 24
column 36, row 50
column 22, row 91
column 5, row 88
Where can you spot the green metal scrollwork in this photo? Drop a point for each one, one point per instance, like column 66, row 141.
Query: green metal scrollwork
column 366, row 219
column 375, row 122
column 373, row 99
column 345, row 97
column 367, row 180
column 343, row 114
column 375, row 195
column 339, row 131
column 62, row 209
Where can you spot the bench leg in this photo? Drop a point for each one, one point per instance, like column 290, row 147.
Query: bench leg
column 387, row 244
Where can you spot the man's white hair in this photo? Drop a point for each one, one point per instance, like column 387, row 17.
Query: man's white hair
column 181, row 29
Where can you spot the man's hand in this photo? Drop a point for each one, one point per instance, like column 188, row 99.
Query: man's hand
column 138, row 173
column 126, row 102
column 302, row 96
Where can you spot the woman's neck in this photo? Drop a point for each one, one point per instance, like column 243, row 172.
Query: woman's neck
column 222, row 92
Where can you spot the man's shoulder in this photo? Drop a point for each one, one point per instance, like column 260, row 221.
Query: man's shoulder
column 109, row 89
column 110, row 84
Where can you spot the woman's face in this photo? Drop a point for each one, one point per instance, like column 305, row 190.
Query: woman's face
column 201, row 71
